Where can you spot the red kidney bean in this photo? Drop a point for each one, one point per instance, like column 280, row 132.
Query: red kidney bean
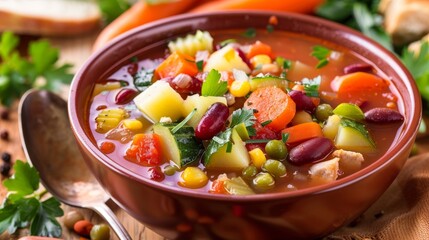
column 212, row 122
column 133, row 68
column 125, row 95
column 155, row 173
column 302, row 101
column 383, row 115
column 193, row 87
column 358, row 68
column 243, row 57
column 310, row 151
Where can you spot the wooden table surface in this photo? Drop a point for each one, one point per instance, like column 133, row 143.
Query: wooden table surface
column 75, row 51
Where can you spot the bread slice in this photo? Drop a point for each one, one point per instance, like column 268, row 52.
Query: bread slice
column 406, row 20
column 49, row 17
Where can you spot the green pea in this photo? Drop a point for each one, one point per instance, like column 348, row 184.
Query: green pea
column 276, row 149
column 170, row 170
column 100, row 232
column 275, row 168
column 323, row 111
column 249, row 172
column 263, row 182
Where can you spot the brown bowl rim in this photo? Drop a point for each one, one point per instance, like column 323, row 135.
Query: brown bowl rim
column 405, row 139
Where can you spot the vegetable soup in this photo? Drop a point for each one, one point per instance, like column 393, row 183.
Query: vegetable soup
column 245, row 112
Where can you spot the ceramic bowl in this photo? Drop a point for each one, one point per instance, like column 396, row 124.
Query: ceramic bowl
column 303, row 214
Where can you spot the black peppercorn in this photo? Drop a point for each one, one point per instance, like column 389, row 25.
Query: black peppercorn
column 4, row 135
column 6, row 157
column 5, row 169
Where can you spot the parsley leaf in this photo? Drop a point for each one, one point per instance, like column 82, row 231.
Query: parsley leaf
column 143, row 79
column 249, row 33
column 311, row 86
column 418, row 65
column 322, row 54
column 224, row 138
column 18, row 74
column 23, row 207
column 213, row 86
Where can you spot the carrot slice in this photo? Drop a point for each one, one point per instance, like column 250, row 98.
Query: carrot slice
column 259, row 48
column 302, row 132
column 139, row 14
column 357, row 82
column 272, row 106
column 177, row 63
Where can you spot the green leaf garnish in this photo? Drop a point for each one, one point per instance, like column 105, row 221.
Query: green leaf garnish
column 266, row 123
column 23, row 206
column 213, row 86
column 311, row 86
column 200, row 65
column 258, row 140
column 270, row 28
column 321, row 54
column 18, row 74
column 184, row 121
column 216, row 143
column 244, row 116
column 226, row 42
column 250, row 33
column 285, row 137
column 143, row 79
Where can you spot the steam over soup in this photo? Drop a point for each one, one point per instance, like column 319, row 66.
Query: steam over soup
column 225, row 113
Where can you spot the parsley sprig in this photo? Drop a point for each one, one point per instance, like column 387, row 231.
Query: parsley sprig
column 24, row 207
column 322, row 54
column 18, row 74
column 224, row 138
column 213, row 85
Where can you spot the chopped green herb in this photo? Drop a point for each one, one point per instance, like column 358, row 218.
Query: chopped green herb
column 266, row 123
column 238, row 116
column 213, row 86
column 200, row 65
column 285, row 137
column 270, row 28
column 134, row 59
column 23, row 206
column 184, row 121
column 311, row 86
column 321, row 54
column 18, row 74
column 226, row 42
column 143, row 79
column 258, row 141
column 250, row 33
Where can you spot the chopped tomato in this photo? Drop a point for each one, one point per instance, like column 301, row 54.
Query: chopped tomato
column 145, row 149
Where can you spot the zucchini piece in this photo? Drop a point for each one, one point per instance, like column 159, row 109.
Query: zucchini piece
column 180, row 147
column 268, row 81
column 353, row 136
column 237, row 186
column 237, row 159
column 242, row 131
column 349, row 110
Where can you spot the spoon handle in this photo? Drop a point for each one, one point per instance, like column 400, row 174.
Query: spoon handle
column 110, row 217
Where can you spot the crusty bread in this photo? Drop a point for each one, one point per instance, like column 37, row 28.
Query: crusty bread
column 49, row 17
column 406, row 20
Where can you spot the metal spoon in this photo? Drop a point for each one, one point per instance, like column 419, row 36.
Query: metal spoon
column 49, row 145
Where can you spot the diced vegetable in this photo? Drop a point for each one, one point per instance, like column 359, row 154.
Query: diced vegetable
column 108, row 86
column 242, row 131
column 239, row 88
column 236, row 159
column 259, row 60
column 160, row 100
column 358, row 82
column 350, row 111
column 108, row 119
column 257, row 157
column 267, row 81
column 302, row 132
column 353, row 136
column 175, row 64
column 301, row 117
column 271, row 104
column 200, row 103
column 145, row 149
column 180, row 147
column 133, row 124
column 192, row 43
column 226, row 59
column 237, row 186
column 193, row 177
column 330, row 129
column 259, row 48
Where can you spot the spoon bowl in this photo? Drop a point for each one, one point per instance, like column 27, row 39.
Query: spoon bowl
column 49, row 146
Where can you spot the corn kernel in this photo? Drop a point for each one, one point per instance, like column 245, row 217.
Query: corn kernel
column 109, row 86
column 259, row 60
column 109, row 119
column 258, row 157
column 193, row 177
column 239, row 88
column 133, row 124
